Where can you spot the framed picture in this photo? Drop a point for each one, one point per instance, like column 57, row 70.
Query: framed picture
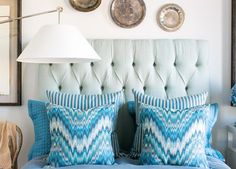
column 10, row 48
column 233, row 54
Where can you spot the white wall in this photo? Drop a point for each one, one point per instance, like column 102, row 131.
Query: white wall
column 205, row 19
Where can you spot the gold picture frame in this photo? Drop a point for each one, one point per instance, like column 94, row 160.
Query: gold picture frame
column 10, row 48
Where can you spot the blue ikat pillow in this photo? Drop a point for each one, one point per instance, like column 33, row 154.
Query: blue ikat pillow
column 175, row 103
column 173, row 137
column 81, row 137
column 85, row 102
column 211, row 120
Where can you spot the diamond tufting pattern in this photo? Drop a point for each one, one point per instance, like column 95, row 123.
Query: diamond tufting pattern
column 162, row 68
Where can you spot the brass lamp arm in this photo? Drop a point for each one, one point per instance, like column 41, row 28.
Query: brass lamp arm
column 59, row 10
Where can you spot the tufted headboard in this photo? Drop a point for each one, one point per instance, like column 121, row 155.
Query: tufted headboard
column 162, row 68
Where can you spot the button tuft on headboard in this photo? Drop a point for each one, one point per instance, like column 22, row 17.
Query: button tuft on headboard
column 165, row 88
column 91, row 64
column 59, row 87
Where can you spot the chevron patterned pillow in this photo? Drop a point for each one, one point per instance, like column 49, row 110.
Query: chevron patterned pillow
column 210, row 121
column 81, row 137
column 173, row 137
column 175, row 103
column 85, row 102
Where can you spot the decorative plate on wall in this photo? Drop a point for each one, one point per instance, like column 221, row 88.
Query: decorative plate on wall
column 85, row 5
column 170, row 17
column 128, row 13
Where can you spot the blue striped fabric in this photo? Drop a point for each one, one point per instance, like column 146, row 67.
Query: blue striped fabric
column 81, row 137
column 173, row 137
column 85, row 102
column 175, row 103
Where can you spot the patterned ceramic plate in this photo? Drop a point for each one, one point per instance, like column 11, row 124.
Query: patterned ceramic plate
column 170, row 17
column 128, row 13
column 85, row 5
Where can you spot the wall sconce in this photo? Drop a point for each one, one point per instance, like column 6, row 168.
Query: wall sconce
column 56, row 44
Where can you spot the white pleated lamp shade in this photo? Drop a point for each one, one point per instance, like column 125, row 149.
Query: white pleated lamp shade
column 58, row 44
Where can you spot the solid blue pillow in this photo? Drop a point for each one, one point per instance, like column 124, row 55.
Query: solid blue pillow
column 211, row 120
column 81, row 137
column 173, row 137
column 38, row 114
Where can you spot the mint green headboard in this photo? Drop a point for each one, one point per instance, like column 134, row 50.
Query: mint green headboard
column 162, row 68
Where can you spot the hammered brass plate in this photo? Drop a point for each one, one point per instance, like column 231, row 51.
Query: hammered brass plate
column 85, row 5
column 170, row 17
column 128, row 13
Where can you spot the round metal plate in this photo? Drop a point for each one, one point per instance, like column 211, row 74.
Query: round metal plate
column 170, row 17
column 128, row 13
column 85, row 5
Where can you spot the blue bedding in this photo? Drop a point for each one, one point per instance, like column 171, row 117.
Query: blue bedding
column 122, row 163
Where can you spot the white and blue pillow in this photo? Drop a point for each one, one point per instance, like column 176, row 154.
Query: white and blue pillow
column 38, row 114
column 81, row 137
column 175, row 103
column 211, row 120
column 85, row 102
column 173, row 137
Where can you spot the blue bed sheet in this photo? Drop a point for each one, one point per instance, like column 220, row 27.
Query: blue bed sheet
column 122, row 163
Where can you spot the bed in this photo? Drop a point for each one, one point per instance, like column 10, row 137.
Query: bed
column 122, row 163
column 162, row 68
